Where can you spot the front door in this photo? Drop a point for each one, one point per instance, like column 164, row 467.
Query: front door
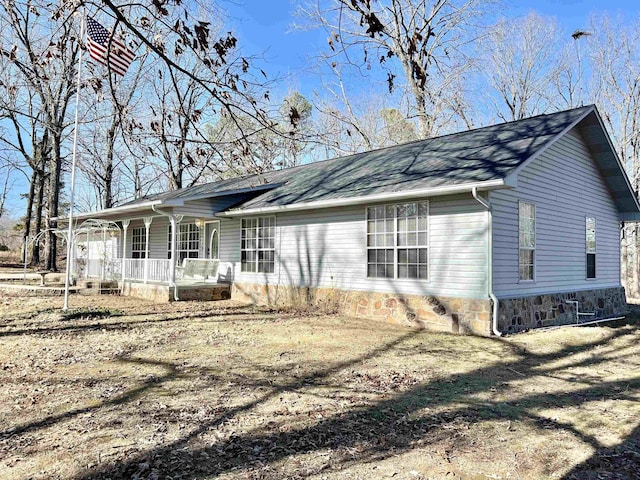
column 213, row 239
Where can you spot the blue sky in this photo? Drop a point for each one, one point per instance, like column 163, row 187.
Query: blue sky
column 264, row 27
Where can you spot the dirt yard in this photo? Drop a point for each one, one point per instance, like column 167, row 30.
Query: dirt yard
column 121, row 388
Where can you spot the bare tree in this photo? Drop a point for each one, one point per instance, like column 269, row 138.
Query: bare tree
column 110, row 125
column 612, row 52
column 419, row 44
column 193, row 53
column 39, row 44
column 175, row 133
column 521, row 62
column 5, row 184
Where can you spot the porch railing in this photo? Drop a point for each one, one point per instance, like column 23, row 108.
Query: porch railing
column 151, row 270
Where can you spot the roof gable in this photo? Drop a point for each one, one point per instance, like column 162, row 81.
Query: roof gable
column 482, row 155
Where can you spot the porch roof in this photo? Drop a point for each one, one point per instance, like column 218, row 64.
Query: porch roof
column 144, row 206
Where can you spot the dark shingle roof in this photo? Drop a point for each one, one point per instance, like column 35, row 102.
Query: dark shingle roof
column 473, row 156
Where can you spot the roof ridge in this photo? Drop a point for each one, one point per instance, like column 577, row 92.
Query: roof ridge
column 282, row 174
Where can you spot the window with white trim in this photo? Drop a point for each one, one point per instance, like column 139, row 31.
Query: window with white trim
column 138, row 242
column 590, row 241
column 398, row 241
column 187, row 242
column 258, row 244
column 527, row 240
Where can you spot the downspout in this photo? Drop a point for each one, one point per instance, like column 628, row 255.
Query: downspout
column 172, row 267
column 492, row 295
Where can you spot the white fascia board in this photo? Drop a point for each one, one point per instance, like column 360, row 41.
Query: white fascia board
column 124, row 209
column 380, row 197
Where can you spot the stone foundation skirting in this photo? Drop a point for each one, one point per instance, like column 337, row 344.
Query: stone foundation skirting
column 457, row 315
column 526, row 313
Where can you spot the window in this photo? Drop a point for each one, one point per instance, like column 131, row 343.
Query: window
column 527, row 234
column 257, row 248
column 397, row 241
column 590, row 241
column 187, row 242
column 138, row 242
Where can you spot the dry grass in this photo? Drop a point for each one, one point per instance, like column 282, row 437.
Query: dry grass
column 121, row 388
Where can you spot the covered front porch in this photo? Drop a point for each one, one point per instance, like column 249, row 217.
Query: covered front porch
column 159, row 257
column 156, row 243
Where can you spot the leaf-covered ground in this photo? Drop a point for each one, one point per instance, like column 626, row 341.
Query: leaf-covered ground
column 122, row 388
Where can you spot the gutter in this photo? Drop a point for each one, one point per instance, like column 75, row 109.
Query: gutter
column 174, row 225
column 378, row 197
column 125, row 208
column 492, row 295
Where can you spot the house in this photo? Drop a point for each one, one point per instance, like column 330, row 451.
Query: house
column 497, row 229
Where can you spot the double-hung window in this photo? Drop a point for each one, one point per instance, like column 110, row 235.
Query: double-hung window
column 397, row 241
column 187, row 242
column 138, row 242
column 527, row 240
column 590, row 240
column 258, row 242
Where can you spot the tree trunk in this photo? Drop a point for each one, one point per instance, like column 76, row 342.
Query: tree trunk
column 30, row 198
column 107, row 195
column 39, row 205
column 53, row 203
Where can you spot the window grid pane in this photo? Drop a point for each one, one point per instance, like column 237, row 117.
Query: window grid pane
column 590, row 242
column 187, row 242
column 591, row 265
column 138, row 242
column 527, row 240
column 257, row 245
column 591, row 235
column 390, row 230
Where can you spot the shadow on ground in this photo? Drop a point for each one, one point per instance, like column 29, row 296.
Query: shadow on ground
column 398, row 424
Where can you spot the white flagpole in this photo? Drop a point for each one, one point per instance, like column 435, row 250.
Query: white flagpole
column 67, row 275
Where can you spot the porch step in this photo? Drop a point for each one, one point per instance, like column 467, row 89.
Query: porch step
column 97, row 287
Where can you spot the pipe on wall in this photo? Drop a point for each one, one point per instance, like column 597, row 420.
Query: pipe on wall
column 494, row 316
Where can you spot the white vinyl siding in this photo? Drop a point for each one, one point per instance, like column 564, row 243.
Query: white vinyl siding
column 157, row 236
column 565, row 186
column 328, row 248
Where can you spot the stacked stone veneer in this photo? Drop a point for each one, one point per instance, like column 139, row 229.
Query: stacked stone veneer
column 457, row 315
column 525, row 313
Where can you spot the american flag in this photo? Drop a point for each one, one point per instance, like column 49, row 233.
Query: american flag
column 107, row 50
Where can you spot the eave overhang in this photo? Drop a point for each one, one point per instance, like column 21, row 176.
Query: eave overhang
column 381, row 197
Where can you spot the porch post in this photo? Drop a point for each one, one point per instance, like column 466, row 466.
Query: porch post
column 175, row 222
column 86, row 270
column 125, row 226
column 147, row 224
column 104, row 252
